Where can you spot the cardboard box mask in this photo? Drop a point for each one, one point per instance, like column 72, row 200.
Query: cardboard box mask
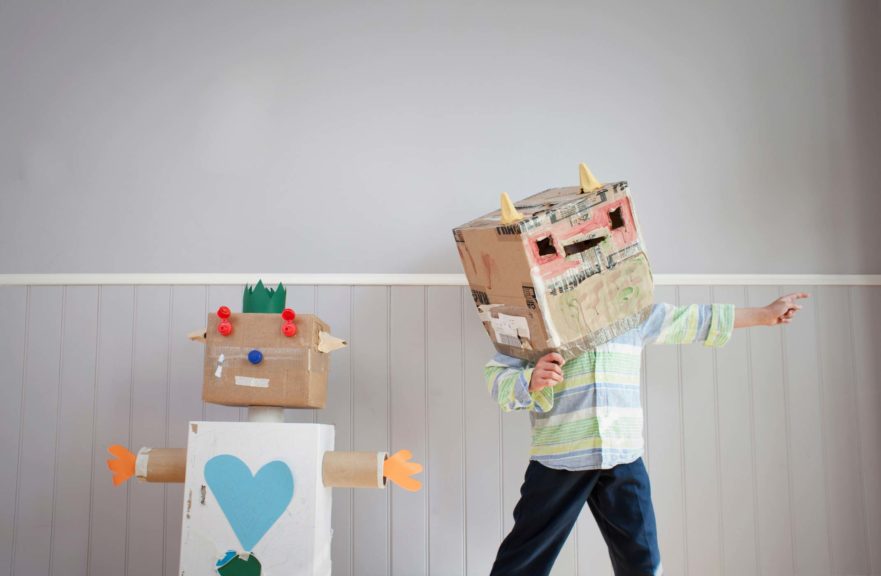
column 564, row 270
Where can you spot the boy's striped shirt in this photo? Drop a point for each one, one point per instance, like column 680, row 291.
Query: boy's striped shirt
column 593, row 418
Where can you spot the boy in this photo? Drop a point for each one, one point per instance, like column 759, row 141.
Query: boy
column 587, row 436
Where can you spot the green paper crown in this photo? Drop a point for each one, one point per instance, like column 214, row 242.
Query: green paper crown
column 262, row 300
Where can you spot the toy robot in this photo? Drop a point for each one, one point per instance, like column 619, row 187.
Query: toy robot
column 257, row 494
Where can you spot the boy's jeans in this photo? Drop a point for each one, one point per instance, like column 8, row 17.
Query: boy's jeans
column 550, row 501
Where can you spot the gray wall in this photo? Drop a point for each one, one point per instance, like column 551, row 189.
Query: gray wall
column 246, row 136
column 764, row 455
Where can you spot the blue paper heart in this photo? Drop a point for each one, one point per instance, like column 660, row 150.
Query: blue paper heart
column 251, row 504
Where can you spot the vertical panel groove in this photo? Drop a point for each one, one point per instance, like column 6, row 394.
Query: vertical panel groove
column 94, row 430
column 821, row 384
column 388, row 420
column 205, row 316
column 752, row 441
column 501, row 480
column 24, row 379
column 131, row 401
column 682, row 463
column 168, row 364
column 859, row 436
column 718, row 433
column 315, row 311
column 425, row 298
column 464, row 424
column 57, row 431
column 788, row 425
column 351, row 429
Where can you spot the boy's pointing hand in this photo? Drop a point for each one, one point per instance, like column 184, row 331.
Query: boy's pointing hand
column 548, row 371
column 781, row 310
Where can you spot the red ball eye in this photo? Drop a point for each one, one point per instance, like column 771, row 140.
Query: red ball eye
column 288, row 315
column 223, row 312
column 289, row 329
column 225, row 328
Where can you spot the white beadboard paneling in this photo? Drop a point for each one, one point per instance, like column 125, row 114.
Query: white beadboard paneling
column 445, row 422
column 592, row 555
column 13, row 337
column 764, row 453
column 184, row 396
column 866, row 322
column 736, row 447
column 483, row 507
column 409, row 519
column 665, row 430
column 700, row 448
column 370, row 405
column 150, row 382
column 516, row 438
column 73, row 459
column 333, row 304
column 36, row 473
column 810, row 531
column 841, row 432
column 772, row 443
column 108, row 527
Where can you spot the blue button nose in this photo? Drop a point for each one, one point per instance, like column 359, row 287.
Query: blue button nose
column 255, row 356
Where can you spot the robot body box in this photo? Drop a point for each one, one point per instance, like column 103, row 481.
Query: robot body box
column 254, row 500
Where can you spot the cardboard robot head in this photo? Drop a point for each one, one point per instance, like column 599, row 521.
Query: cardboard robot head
column 564, row 270
column 267, row 355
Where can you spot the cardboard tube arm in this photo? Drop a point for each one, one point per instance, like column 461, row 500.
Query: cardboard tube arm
column 353, row 469
column 161, row 464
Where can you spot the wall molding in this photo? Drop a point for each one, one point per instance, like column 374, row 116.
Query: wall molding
column 137, row 279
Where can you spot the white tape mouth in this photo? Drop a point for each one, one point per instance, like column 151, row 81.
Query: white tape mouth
column 252, row 382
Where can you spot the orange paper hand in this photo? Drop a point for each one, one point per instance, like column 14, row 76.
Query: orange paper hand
column 398, row 470
column 123, row 467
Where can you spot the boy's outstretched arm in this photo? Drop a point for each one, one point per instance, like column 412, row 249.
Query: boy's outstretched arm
column 713, row 324
column 780, row 311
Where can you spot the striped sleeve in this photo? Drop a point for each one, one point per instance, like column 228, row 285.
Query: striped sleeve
column 711, row 324
column 508, row 381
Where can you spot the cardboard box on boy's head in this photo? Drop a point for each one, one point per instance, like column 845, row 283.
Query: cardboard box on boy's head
column 564, row 270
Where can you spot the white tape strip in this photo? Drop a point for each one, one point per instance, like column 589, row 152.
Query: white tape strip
column 141, row 463
column 252, row 382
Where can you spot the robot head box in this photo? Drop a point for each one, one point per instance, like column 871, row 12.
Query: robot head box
column 561, row 271
column 268, row 355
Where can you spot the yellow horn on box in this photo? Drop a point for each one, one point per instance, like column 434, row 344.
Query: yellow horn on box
column 588, row 182
column 509, row 212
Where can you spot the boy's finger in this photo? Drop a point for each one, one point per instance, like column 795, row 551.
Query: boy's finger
column 551, row 367
column 551, row 377
column 548, row 375
column 555, row 357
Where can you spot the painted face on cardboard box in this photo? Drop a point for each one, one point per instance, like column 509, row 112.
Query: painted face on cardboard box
column 564, row 270
column 267, row 355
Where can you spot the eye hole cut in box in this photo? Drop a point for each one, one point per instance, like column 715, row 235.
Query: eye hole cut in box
column 616, row 218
